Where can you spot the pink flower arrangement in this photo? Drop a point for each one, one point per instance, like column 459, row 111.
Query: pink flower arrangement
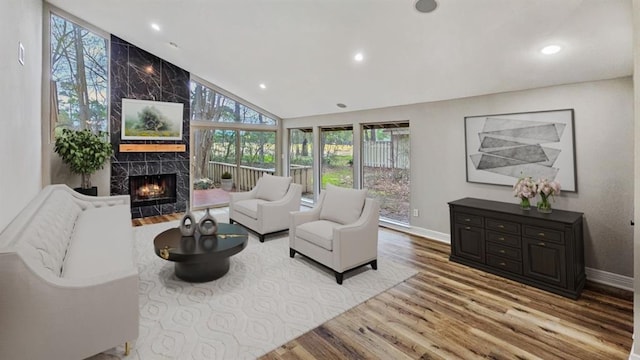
column 547, row 188
column 525, row 188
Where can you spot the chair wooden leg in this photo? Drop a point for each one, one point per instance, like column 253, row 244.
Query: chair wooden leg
column 231, row 221
column 292, row 253
column 127, row 348
column 374, row 264
column 339, row 277
column 261, row 238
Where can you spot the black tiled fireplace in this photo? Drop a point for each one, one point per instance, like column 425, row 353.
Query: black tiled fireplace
column 137, row 74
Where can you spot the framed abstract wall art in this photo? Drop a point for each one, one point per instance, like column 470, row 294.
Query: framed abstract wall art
column 502, row 148
column 151, row 120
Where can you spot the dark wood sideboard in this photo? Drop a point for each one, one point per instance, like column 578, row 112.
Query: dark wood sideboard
column 542, row 250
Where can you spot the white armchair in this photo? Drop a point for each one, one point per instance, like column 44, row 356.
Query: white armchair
column 265, row 209
column 341, row 232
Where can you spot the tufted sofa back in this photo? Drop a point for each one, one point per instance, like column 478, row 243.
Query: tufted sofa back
column 46, row 237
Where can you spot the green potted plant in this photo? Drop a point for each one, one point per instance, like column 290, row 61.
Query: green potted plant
column 226, row 181
column 85, row 152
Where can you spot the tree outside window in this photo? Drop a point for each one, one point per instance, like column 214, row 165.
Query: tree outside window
column 79, row 77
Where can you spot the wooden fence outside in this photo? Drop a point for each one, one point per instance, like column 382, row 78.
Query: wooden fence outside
column 246, row 177
column 386, row 154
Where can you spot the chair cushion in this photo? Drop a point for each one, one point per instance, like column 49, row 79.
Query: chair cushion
column 248, row 207
column 272, row 188
column 342, row 205
column 318, row 232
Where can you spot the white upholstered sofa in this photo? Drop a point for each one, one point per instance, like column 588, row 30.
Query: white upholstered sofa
column 265, row 209
column 340, row 232
column 68, row 278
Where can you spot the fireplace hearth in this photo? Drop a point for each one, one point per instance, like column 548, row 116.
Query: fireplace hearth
column 146, row 190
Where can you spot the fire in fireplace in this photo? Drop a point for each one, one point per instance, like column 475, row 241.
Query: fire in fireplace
column 148, row 190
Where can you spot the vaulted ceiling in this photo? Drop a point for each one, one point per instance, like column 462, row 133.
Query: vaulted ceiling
column 303, row 50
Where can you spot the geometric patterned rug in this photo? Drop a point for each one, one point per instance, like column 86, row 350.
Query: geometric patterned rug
column 265, row 300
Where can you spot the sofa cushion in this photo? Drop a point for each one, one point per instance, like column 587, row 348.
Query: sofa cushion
column 318, row 232
column 46, row 238
column 248, row 207
column 342, row 205
column 272, row 188
column 102, row 243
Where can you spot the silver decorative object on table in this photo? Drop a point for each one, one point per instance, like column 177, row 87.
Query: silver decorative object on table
column 207, row 225
column 188, row 223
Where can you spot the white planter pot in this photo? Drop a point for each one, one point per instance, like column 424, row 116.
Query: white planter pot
column 226, row 184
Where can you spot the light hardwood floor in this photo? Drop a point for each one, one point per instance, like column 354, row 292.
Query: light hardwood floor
column 451, row 311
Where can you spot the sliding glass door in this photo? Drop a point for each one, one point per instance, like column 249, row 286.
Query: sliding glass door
column 301, row 160
column 337, row 156
column 386, row 168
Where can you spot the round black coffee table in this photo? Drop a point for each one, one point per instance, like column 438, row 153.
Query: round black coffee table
column 201, row 258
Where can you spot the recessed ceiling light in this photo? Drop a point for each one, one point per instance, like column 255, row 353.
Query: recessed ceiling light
column 155, row 26
column 551, row 49
column 358, row 57
column 262, row 86
column 341, row 105
column 426, row 6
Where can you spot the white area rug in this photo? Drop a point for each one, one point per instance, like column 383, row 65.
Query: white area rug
column 265, row 300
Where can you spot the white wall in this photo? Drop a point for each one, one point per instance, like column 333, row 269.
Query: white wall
column 20, row 104
column 635, row 350
column 604, row 155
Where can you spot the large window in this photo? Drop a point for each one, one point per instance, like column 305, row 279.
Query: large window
column 210, row 105
column 79, row 77
column 301, row 160
column 228, row 137
column 385, row 168
column 337, row 156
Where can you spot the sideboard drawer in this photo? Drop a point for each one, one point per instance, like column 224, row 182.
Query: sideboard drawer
column 503, row 226
column 504, row 251
column 510, row 240
column 504, row 264
column 543, row 234
column 468, row 219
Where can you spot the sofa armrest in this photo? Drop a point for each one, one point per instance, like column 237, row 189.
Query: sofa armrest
column 69, row 318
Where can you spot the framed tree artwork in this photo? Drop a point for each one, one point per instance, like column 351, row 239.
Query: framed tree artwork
column 151, row 120
column 502, row 148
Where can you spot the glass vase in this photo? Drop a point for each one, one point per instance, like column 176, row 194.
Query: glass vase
column 544, row 206
column 525, row 203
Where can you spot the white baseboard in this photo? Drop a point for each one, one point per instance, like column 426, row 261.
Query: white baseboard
column 611, row 279
column 595, row 275
column 632, row 354
column 418, row 231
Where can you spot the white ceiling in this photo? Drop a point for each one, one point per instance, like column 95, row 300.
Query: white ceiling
column 303, row 49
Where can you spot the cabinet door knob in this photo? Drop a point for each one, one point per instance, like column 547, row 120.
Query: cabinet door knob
column 502, row 264
column 501, row 251
column 467, row 228
column 541, row 234
column 501, row 238
column 467, row 219
column 541, row 244
column 501, row 226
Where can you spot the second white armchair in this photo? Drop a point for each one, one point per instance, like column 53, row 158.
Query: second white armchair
column 341, row 232
column 265, row 209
